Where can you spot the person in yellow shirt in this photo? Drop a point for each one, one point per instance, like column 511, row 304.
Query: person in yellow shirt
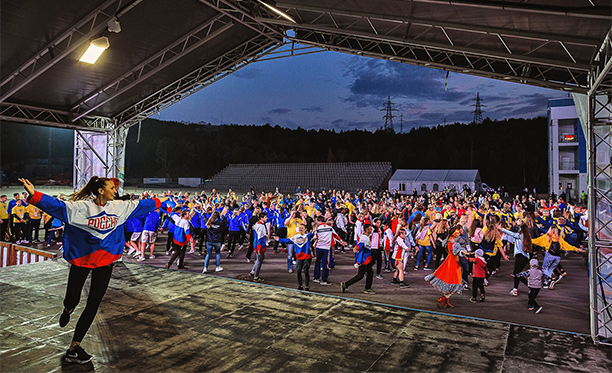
column 34, row 215
column 423, row 238
column 555, row 245
column 19, row 220
column 4, row 217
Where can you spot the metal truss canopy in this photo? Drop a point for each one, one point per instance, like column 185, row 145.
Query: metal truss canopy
column 168, row 50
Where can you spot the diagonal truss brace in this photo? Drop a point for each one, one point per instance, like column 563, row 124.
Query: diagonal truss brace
column 599, row 126
column 212, row 71
column 55, row 51
column 167, row 56
column 54, row 118
column 510, row 68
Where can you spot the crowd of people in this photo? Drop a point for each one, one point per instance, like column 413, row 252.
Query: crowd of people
column 463, row 233
column 449, row 235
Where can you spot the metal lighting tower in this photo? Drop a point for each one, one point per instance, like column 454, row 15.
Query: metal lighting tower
column 478, row 109
column 389, row 115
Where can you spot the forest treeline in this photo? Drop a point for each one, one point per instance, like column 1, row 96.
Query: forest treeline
column 511, row 152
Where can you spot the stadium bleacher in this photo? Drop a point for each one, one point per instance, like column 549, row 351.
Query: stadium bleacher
column 287, row 177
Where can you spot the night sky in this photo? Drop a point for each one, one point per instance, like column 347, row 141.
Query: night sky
column 344, row 92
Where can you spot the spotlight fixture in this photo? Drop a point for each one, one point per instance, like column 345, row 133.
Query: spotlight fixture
column 114, row 25
column 95, row 50
column 277, row 11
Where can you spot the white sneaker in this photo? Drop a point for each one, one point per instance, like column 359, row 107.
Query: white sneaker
column 191, row 251
column 248, row 260
column 222, row 247
column 152, row 257
column 204, row 270
column 131, row 251
column 514, row 292
column 25, row 241
column 218, row 269
column 141, row 259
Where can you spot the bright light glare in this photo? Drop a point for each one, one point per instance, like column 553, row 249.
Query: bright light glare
column 95, row 50
column 277, row 11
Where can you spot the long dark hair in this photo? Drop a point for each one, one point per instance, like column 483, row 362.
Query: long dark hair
column 90, row 190
column 527, row 245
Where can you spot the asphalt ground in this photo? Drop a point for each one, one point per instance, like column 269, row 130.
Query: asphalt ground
column 565, row 308
column 158, row 320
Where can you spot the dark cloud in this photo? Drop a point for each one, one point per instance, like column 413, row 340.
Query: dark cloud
column 371, row 80
column 280, row 111
column 316, row 109
column 248, row 72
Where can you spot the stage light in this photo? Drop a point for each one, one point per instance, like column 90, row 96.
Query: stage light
column 277, row 11
column 95, row 50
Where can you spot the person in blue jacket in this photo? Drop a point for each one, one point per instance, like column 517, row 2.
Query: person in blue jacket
column 93, row 241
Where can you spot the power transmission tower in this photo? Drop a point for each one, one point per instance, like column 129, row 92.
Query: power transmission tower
column 401, row 123
column 478, row 109
column 389, row 115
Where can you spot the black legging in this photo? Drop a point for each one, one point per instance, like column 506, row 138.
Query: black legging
column 179, row 251
column 303, row 265
column 100, row 278
column 520, row 261
column 363, row 269
column 233, row 240
column 439, row 251
column 377, row 257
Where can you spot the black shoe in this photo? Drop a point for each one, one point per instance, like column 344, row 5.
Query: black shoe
column 65, row 318
column 182, row 268
column 307, row 288
column 300, row 288
column 403, row 285
column 78, row 355
column 482, row 297
column 394, row 281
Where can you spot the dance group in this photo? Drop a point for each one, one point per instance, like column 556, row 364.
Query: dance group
column 467, row 232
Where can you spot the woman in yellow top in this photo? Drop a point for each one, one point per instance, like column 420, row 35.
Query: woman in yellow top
column 491, row 244
column 423, row 238
column 554, row 245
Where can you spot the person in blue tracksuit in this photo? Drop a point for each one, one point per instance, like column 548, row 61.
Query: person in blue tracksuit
column 93, row 241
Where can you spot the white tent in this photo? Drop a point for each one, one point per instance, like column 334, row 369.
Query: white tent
column 406, row 181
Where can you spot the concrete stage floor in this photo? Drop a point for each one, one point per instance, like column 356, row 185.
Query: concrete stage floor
column 155, row 320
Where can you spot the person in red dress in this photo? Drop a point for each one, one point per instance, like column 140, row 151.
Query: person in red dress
column 447, row 278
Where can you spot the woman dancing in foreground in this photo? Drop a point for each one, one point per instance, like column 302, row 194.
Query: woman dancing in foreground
column 93, row 241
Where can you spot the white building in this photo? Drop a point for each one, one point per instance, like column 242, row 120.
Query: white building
column 567, row 160
column 406, row 181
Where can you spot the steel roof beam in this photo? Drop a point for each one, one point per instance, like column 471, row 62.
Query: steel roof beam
column 82, row 32
column 446, row 47
column 172, row 53
column 578, row 40
column 504, row 69
column 592, row 12
column 200, row 78
column 245, row 18
column 54, row 118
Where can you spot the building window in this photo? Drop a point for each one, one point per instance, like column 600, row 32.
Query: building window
column 402, row 187
column 435, row 187
column 423, row 187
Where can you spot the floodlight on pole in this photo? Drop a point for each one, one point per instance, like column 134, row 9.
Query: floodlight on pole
column 277, row 11
column 95, row 50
